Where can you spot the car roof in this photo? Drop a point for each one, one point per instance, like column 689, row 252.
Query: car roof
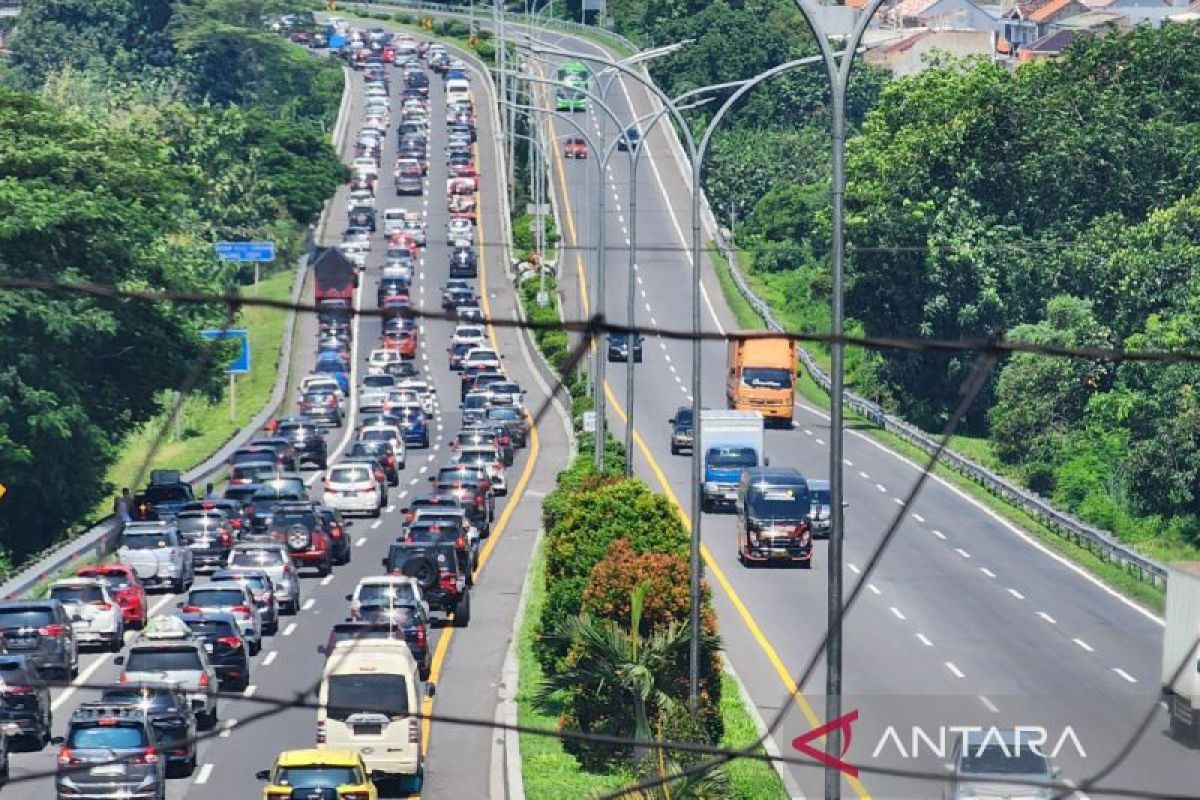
column 312, row 756
column 78, row 581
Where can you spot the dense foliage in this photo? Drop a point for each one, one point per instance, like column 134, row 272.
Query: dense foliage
column 134, row 135
column 609, row 540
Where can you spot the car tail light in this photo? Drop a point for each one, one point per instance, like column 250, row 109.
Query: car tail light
column 66, row 758
column 279, row 795
column 268, row 596
column 52, row 630
column 226, row 539
column 355, row 796
column 446, row 579
column 391, row 459
column 479, row 501
column 230, row 641
column 336, row 533
column 460, row 543
column 421, row 640
column 330, row 490
column 414, row 732
column 190, row 609
column 122, row 678
column 243, row 610
column 10, row 689
column 147, row 756
column 320, row 737
column 204, row 680
column 331, row 400
column 100, row 604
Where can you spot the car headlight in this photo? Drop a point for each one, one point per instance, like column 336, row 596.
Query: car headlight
column 711, row 486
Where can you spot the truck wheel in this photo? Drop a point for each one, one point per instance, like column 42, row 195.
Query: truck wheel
column 462, row 611
column 325, row 568
column 178, row 585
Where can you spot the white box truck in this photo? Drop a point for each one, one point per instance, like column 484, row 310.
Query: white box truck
column 1181, row 656
column 730, row 441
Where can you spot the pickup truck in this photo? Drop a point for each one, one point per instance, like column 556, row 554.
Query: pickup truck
column 158, row 555
column 164, row 497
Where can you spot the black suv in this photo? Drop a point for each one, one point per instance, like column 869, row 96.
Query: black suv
column 381, row 451
column 306, row 439
column 228, row 652
column 408, row 620
column 162, row 499
column 170, row 714
column 463, row 263
column 618, row 346
column 110, row 751
column 339, row 537
column 25, row 700
column 440, row 573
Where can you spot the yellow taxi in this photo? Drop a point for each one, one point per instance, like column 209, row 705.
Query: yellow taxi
column 342, row 770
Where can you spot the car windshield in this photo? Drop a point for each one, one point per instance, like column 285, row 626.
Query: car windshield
column 820, row 497
column 107, row 737
column 212, row 628
column 317, row 777
column 25, row 617
column 196, row 524
column 475, row 401
column 347, row 631
column 145, row 541
column 114, row 580
column 732, row 457
column 349, row 475
column 257, row 558
column 149, row 699
column 164, row 659
column 288, row 517
column 378, row 381
column 352, row 694
column 783, row 503
column 683, row 417
column 208, row 598
column 384, row 593
column 167, row 494
column 994, row 759
column 767, row 378
column 77, row 594
column 505, row 413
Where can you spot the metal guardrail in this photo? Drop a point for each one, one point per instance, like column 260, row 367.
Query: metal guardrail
column 100, row 540
column 484, row 18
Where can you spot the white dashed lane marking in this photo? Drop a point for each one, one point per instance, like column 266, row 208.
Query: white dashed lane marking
column 1016, row 594
column 270, row 657
column 924, row 640
column 954, row 670
column 1084, row 645
column 1124, row 675
column 308, row 604
column 204, row 773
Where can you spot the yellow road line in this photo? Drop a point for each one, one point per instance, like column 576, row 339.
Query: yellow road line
column 443, row 645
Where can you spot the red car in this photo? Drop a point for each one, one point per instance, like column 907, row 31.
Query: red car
column 125, row 587
column 575, row 147
column 389, row 55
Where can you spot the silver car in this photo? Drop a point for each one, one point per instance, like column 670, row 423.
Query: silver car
column 179, row 659
column 272, row 558
column 998, row 763
column 158, row 554
column 229, row 597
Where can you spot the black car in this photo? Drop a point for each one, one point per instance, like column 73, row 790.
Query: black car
column 25, row 700
column 618, row 346
column 284, row 451
column 228, row 652
column 453, row 298
column 361, row 218
column 233, row 510
column 630, row 139
column 99, row 734
column 464, row 263
column 307, row 440
column 476, row 515
column 163, row 498
column 513, row 421
column 381, row 450
column 448, row 530
column 339, row 537
column 40, row 630
column 390, row 287
column 682, row 430
column 208, row 534
column 170, row 714
column 440, row 573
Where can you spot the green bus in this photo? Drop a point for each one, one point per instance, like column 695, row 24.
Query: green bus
column 576, row 74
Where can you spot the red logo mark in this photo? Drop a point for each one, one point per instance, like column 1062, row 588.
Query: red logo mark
column 842, row 723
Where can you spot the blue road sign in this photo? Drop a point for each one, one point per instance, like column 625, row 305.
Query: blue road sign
column 246, row 251
column 241, row 362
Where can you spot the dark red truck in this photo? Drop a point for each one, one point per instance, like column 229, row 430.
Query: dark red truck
column 334, row 277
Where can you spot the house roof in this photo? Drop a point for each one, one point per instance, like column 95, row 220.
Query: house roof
column 1041, row 10
column 1052, row 43
column 1091, row 20
column 907, row 9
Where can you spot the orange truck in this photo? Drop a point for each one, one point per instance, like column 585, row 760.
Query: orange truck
column 761, row 376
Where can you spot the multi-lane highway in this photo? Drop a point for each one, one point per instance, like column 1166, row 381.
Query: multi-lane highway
column 968, row 621
column 467, row 662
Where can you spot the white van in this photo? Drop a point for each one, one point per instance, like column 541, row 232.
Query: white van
column 368, row 701
column 394, row 220
column 457, row 90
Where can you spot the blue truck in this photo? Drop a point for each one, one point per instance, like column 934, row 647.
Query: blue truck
column 731, row 441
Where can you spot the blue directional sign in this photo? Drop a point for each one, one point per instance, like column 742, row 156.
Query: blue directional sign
column 240, row 364
column 246, row 251
column 336, row 41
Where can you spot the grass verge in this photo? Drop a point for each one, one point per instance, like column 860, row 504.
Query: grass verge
column 204, row 423
column 749, row 779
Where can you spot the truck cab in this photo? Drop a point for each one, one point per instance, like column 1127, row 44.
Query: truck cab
column 761, row 376
column 731, row 442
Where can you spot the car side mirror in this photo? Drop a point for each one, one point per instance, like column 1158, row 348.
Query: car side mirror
column 321, row 648
column 766, row 461
column 430, row 689
column 263, row 775
column 383, row 561
column 119, row 660
column 349, row 598
column 671, row 421
column 58, row 740
column 845, row 504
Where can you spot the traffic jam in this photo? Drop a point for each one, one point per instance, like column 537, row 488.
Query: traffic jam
column 383, row 450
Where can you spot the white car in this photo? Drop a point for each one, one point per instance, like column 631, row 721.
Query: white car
column 367, row 166
column 323, row 382
column 358, row 238
column 380, row 360
column 484, row 456
column 459, row 229
column 372, row 400
column 426, row 394
column 352, row 489
column 95, row 616
column 387, row 433
column 385, row 588
column 469, row 334
column 360, row 198
column 377, row 382
column 481, row 356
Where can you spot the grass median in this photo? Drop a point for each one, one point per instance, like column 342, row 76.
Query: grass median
column 204, row 424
